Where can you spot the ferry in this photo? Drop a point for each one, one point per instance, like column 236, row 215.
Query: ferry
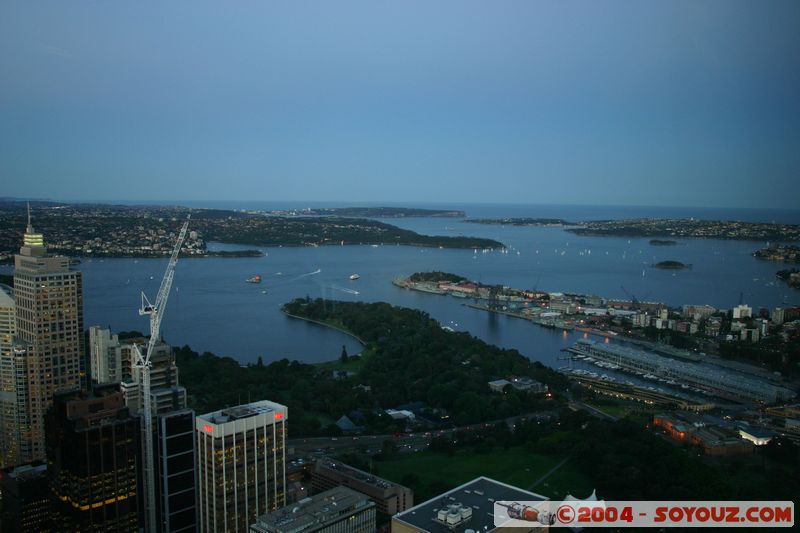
column 354, row 276
column 254, row 279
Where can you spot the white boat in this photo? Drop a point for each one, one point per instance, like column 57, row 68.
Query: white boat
column 354, row 276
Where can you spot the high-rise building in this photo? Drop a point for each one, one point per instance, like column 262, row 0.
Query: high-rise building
column 92, row 457
column 166, row 394
column 105, row 356
column 114, row 361
column 49, row 322
column 26, row 502
column 14, row 425
column 241, row 455
column 338, row 510
column 175, row 467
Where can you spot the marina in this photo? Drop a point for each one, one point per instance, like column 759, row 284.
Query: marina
column 702, row 378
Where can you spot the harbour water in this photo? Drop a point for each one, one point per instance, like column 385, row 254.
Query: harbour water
column 212, row 308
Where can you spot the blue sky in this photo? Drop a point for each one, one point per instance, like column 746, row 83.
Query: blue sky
column 636, row 102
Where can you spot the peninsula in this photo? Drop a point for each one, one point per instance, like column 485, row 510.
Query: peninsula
column 533, row 222
column 701, row 229
column 101, row 230
column 785, row 253
column 371, row 212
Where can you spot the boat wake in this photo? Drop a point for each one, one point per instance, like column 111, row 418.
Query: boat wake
column 343, row 289
column 301, row 276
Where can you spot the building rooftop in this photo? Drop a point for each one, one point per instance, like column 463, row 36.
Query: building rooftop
column 26, row 471
column 478, row 495
column 314, row 511
column 355, row 473
column 230, row 414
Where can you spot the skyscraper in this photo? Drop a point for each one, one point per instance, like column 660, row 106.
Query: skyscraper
column 105, row 356
column 241, row 453
column 26, row 503
column 49, row 327
column 175, row 468
column 92, row 456
column 13, row 384
column 114, row 361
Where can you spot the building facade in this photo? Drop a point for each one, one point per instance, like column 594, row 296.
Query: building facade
column 241, row 456
column 92, row 457
column 390, row 497
column 105, row 356
column 339, row 510
column 14, row 389
column 26, row 503
column 175, row 464
column 49, row 323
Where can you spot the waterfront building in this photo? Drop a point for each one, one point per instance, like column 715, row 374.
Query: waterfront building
column 49, row 325
column 241, row 456
column 92, row 457
column 390, row 497
column 467, row 507
column 25, row 503
column 696, row 312
column 777, row 316
column 713, row 436
column 105, row 356
column 338, row 510
column 175, row 460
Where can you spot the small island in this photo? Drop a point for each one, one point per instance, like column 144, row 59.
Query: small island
column 671, row 265
column 662, row 242
column 532, row 222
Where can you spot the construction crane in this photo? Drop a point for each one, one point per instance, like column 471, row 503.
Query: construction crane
column 156, row 312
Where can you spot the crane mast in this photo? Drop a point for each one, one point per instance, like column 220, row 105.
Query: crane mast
column 156, row 312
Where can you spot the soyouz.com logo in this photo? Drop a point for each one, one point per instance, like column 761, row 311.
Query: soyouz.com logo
column 580, row 514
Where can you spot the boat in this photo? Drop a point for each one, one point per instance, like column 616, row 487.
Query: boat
column 254, row 279
column 354, row 276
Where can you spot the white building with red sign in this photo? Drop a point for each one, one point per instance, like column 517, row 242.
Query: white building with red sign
column 241, row 455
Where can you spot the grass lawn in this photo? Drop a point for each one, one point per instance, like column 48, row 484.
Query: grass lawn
column 436, row 471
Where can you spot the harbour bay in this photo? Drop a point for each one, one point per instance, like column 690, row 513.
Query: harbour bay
column 214, row 309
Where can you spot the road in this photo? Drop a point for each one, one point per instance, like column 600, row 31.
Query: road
column 405, row 442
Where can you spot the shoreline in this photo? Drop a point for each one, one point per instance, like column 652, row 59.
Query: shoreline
column 323, row 324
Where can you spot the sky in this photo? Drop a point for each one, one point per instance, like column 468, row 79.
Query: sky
column 692, row 103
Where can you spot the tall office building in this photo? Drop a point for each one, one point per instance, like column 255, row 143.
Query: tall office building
column 26, row 503
column 114, row 361
column 92, row 448
column 177, row 483
column 105, row 356
column 49, row 325
column 241, row 455
column 166, row 394
column 14, row 426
